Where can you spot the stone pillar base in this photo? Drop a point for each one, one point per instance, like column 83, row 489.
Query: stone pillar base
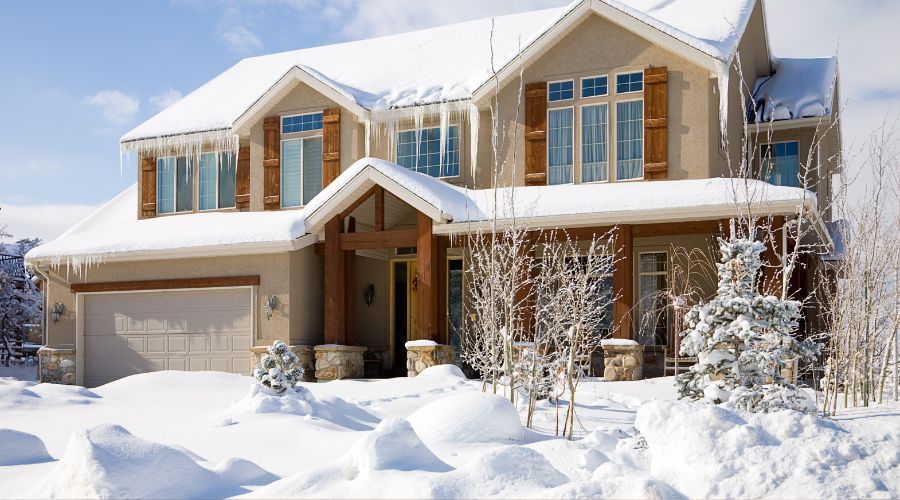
column 56, row 365
column 335, row 362
column 622, row 360
column 304, row 352
column 420, row 357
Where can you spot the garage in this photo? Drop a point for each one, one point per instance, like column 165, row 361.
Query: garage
column 193, row 330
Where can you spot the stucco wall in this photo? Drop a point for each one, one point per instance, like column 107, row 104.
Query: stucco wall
column 372, row 322
column 306, row 301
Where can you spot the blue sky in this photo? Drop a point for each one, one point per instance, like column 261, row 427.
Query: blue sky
column 77, row 75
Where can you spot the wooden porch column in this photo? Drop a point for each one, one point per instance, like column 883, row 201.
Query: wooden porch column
column 335, row 284
column 350, row 288
column 426, row 282
column 443, row 242
column 623, row 285
column 524, row 293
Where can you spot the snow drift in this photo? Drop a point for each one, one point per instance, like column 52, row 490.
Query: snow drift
column 470, row 417
column 18, row 447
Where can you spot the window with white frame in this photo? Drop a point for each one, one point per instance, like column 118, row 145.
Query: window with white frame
column 653, row 311
column 629, row 140
column 561, row 91
column 174, row 185
column 420, row 151
column 630, row 82
column 217, row 179
column 594, row 142
column 594, row 86
column 301, row 123
column 780, row 163
column 560, row 145
column 301, row 170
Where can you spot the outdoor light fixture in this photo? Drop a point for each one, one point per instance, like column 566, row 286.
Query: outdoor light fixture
column 369, row 295
column 271, row 305
column 58, row 310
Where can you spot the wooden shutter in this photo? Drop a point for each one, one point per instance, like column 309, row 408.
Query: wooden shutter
column 536, row 134
column 148, row 187
column 331, row 145
column 272, row 163
column 656, row 123
column 242, row 180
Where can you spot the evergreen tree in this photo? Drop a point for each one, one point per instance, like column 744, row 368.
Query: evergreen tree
column 278, row 370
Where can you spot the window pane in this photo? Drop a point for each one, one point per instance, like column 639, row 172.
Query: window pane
column 425, row 155
column 591, row 87
column 630, row 139
column 406, row 149
column 653, row 302
column 450, row 168
column 165, row 185
column 227, row 175
column 594, row 143
column 561, row 91
column 653, row 262
column 312, row 168
column 184, row 187
column 208, row 169
column 301, row 123
column 629, row 82
column 605, row 290
column 290, row 173
column 560, row 141
column 780, row 164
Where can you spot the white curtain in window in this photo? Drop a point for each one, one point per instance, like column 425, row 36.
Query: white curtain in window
column 208, row 169
column 165, row 185
column 291, row 162
column 560, row 142
column 629, row 139
column 312, row 168
column 594, row 143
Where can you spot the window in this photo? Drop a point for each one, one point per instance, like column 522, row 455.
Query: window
column 594, row 86
column 629, row 140
column 301, row 123
column 425, row 155
column 653, row 319
column 455, row 294
column 174, row 185
column 301, row 170
column 217, row 177
column 560, row 145
column 561, row 91
column 630, row 82
column 780, row 163
column 594, row 142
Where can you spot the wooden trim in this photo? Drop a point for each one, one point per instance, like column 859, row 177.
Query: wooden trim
column 536, row 134
column 350, row 287
column 242, row 179
column 656, row 123
column 379, row 208
column 359, row 201
column 165, row 284
column 426, row 284
column 378, row 239
column 148, row 187
column 335, row 284
column 623, row 284
column 331, row 145
column 272, row 163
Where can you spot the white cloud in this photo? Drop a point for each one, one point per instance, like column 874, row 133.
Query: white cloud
column 166, row 98
column 241, row 40
column 42, row 221
column 116, row 106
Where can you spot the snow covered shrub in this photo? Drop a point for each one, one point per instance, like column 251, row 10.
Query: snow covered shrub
column 277, row 370
column 743, row 339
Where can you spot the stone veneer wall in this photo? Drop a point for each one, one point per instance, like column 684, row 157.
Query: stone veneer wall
column 418, row 358
column 56, row 365
column 304, row 352
column 335, row 362
column 623, row 362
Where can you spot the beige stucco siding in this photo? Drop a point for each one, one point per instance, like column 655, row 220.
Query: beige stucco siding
column 305, row 303
column 372, row 322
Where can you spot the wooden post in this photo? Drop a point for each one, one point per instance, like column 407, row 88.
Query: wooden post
column 426, row 263
column 350, row 289
column 379, row 208
column 335, row 284
column 623, row 285
column 524, row 293
column 442, row 243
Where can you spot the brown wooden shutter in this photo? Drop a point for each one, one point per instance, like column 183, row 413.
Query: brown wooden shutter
column 331, row 145
column 242, row 180
column 272, row 163
column 536, row 134
column 148, row 187
column 656, row 123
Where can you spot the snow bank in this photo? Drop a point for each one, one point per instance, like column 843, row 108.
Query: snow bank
column 393, row 445
column 420, row 343
column 298, row 401
column 18, row 447
column 469, row 417
column 800, row 88
column 442, row 372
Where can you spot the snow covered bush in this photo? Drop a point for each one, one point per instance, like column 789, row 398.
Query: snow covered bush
column 278, row 370
column 743, row 340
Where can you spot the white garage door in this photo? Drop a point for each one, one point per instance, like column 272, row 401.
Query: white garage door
column 136, row 332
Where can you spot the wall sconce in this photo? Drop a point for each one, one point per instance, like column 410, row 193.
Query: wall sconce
column 271, row 305
column 58, row 310
column 369, row 295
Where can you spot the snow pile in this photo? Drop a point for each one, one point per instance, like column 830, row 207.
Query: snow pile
column 617, row 342
column 800, row 88
column 709, row 451
column 21, row 448
column 469, row 417
column 393, row 445
column 420, row 343
column 297, row 401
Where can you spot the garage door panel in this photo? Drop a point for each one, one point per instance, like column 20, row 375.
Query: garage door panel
column 137, row 343
column 156, row 344
column 177, row 364
column 241, row 343
column 240, row 365
column 198, row 344
column 198, row 364
column 177, row 343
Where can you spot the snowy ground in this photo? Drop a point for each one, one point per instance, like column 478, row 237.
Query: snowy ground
column 209, row 435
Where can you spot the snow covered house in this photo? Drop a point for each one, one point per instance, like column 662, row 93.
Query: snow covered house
column 310, row 195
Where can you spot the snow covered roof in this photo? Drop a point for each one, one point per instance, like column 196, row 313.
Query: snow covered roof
column 441, row 64
column 799, row 88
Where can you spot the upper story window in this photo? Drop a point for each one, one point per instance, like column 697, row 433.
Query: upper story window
column 301, row 123
column 560, row 145
column 594, row 86
column 420, row 151
column 629, row 139
column 594, row 142
column 561, row 91
column 301, row 170
column 780, row 163
column 630, row 82
column 217, row 179
column 174, row 184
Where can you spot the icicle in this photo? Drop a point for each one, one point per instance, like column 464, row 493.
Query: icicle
column 474, row 122
column 189, row 145
column 444, row 128
column 368, row 136
column 723, row 70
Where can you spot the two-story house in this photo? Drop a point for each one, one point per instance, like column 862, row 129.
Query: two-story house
column 310, row 196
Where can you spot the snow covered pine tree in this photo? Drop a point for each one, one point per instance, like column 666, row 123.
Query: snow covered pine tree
column 278, row 370
column 743, row 340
